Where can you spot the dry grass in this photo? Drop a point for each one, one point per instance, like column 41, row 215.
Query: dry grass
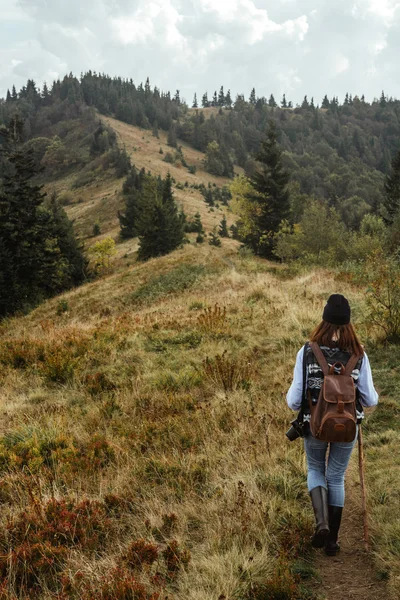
column 113, row 401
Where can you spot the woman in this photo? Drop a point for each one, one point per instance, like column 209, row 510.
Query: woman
column 337, row 339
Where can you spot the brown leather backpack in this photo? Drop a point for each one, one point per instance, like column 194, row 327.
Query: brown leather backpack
column 333, row 417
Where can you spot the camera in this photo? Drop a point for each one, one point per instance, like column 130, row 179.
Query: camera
column 295, row 431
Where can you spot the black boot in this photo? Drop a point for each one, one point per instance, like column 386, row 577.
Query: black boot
column 335, row 518
column 319, row 499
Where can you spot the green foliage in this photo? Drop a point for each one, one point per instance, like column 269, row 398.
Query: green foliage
column 101, row 253
column 217, row 160
column 132, row 188
column 173, row 282
column 383, row 294
column 39, row 253
column 214, row 239
column 223, row 228
column 161, row 227
column 96, row 229
column 392, row 190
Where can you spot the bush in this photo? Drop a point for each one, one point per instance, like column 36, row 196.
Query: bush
column 173, row 282
column 228, row 373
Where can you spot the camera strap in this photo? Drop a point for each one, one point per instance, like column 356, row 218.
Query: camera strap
column 304, row 392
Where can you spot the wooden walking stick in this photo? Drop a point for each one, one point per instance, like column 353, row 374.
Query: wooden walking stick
column 363, row 490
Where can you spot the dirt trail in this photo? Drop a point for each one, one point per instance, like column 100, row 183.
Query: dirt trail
column 351, row 575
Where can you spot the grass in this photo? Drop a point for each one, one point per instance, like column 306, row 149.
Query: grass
column 163, row 418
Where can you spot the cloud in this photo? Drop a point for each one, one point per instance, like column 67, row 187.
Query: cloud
column 296, row 47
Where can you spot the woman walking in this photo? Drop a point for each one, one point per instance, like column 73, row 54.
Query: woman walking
column 334, row 350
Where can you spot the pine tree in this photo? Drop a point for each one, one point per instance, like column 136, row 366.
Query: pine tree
column 171, row 139
column 221, row 97
column 223, row 228
column 325, row 102
column 177, row 98
column 272, row 101
column 204, row 101
column 228, row 99
column 39, row 255
column 215, row 99
column 283, row 101
column 161, row 227
column 383, row 100
column 214, row 239
column 14, row 95
column 8, row 97
column 195, row 104
column 253, row 98
column 129, row 220
column 197, row 224
column 392, row 190
column 271, row 196
column 305, row 104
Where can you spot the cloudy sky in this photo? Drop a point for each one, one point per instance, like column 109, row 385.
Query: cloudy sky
column 294, row 46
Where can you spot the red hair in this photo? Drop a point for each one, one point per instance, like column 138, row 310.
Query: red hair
column 347, row 341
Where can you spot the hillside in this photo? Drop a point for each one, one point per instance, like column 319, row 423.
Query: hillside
column 102, row 200
column 143, row 438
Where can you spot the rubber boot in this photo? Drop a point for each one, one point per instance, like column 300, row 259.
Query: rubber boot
column 335, row 517
column 319, row 499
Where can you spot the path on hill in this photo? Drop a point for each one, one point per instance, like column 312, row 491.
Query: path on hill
column 351, row 575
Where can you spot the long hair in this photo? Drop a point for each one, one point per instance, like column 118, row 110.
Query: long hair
column 347, row 340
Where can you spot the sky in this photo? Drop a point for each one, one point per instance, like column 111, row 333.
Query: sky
column 296, row 47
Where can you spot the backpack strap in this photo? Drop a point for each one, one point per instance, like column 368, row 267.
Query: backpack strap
column 320, row 357
column 351, row 363
column 305, row 371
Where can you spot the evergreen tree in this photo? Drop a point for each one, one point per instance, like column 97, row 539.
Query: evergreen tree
column 305, row 103
column 383, row 100
column 197, row 224
column 325, row 102
column 269, row 191
column 14, row 95
column 161, row 227
column 177, row 98
column 221, row 97
column 129, row 220
column 223, row 228
column 39, row 255
column 214, row 239
column 195, row 104
column 8, row 97
column 272, row 101
column 204, row 101
column 283, row 101
column 392, row 190
column 171, row 139
column 228, row 99
column 215, row 99
column 253, row 99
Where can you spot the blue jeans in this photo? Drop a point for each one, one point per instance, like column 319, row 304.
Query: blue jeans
column 328, row 473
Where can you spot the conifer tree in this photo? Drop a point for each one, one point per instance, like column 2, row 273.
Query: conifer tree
column 228, row 99
column 8, row 97
column 325, row 102
column 269, row 192
column 215, row 99
column 253, row 98
column 161, row 227
column 214, row 239
column 39, row 254
column 305, row 104
column 195, row 103
column 14, row 94
column 221, row 97
column 197, row 224
column 129, row 220
column 223, row 228
column 272, row 101
column 284, row 102
column 204, row 101
column 171, row 139
column 392, row 190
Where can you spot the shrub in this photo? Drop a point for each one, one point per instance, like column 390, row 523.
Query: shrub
column 65, row 198
column 192, row 169
column 175, row 281
column 228, row 373
column 62, row 307
column 141, row 553
column 212, row 320
column 169, row 158
column 175, row 558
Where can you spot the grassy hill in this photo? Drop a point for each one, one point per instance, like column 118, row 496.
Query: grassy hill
column 142, row 438
column 101, row 198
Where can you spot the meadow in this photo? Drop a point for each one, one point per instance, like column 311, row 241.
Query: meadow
column 143, row 451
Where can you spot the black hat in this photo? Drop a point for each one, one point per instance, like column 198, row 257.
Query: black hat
column 337, row 310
